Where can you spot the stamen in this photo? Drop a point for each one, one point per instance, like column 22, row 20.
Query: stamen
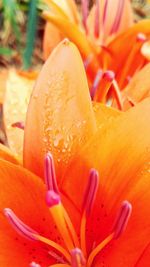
column 50, row 175
column 19, row 226
column 117, row 94
column 122, row 219
column 27, row 232
column 71, row 228
column 118, row 17
column 96, row 83
column 105, row 12
column 54, row 245
column 119, row 227
column 88, row 202
column 87, row 61
column 33, row 264
column 53, row 201
column 77, row 258
column 91, row 191
column 104, row 86
column 95, row 252
column 125, row 71
column 85, row 10
column 18, row 124
column 97, row 19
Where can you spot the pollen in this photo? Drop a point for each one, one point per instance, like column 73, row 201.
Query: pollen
column 74, row 252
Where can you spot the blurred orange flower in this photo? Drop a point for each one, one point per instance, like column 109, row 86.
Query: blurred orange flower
column 101, row 158
column 107, row 41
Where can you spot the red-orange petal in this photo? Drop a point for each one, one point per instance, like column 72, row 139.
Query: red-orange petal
column 120, row 151
column 144, row 258
column 60, row 117
column 120, row 49
column 24, row 193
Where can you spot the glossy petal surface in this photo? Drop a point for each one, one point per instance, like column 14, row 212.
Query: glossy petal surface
column 24, row 194
column 121, row 154
column 60, row 117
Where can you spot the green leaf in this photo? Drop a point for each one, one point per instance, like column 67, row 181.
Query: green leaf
column 11, row 12
column 31, row 33
column 6, row 51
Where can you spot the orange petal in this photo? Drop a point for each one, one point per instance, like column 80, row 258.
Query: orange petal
column 60, row 116
column 135, row 240
column 59, row 9
column 138, row 88
column 6, row 154
column 103, row 114
column 120, row 49
column 120, row 151
column 105, row 28
column 52, row 34
column 26, row 197
column 72, row 31
column 69, row 7
column 52, row 37
column 18, row 91
column 74, row 11
column 3, row 79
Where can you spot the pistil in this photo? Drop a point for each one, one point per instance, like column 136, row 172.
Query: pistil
column 53, row 201
column 117, row 20
column 75, row 254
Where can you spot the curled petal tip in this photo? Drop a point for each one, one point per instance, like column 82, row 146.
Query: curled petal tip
column 66, row 41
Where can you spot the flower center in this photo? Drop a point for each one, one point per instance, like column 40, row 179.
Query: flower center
column 75, row 250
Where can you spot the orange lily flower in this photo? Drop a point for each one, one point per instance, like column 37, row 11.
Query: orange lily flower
column 100, row 52
column 99, row 24
column 97, row 210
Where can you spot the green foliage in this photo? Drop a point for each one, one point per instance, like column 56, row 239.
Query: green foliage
column 31, row 33
column 6, row 51
column 11, row 15
column 18, row 26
